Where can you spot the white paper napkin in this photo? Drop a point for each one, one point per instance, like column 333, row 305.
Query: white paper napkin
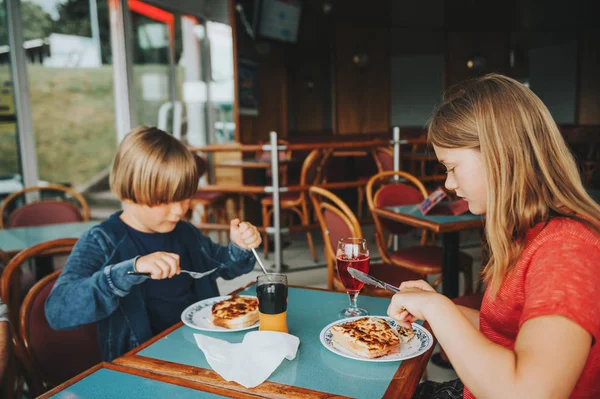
column 252, row 361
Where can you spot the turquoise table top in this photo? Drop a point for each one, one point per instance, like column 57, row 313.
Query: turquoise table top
column 314, row 367
column 107, row 384
column 16, row 239
column 413, row 210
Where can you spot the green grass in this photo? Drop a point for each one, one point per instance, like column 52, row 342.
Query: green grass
column 73, row 112
column 73, row 120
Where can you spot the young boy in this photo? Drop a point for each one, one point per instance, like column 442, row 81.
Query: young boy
column 155, row 176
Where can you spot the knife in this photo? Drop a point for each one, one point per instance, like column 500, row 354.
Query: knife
column 368, row 279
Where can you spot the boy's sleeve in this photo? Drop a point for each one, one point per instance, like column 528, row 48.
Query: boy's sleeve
column 88, row 289
column 561, row 280
column 231, row 260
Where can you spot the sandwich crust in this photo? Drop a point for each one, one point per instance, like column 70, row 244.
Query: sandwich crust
column 235, row 312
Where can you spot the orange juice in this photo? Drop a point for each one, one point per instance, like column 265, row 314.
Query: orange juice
column 273, row 322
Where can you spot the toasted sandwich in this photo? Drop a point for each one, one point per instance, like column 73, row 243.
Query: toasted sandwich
column 370, row 337
column 235, row 312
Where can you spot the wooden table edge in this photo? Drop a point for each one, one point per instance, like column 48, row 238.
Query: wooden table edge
column 190, row 384
column 205, row 377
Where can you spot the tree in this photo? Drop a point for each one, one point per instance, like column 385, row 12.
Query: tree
column 74, row 19
column 37, row 23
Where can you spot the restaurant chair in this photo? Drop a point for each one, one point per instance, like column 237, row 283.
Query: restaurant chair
column 54, row 204
column 297, row 201
column 337, row 221
column 284, row 155
column 401, row 188
column 344, row 163
column 67, row 207
column 384, row 158
column 47, row 357
column 212, row 202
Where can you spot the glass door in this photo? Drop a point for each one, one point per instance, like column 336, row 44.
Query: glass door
column 10, row 169
column 183, row 70
column 155, row 89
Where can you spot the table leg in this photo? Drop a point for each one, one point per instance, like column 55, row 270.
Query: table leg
column 450, row 264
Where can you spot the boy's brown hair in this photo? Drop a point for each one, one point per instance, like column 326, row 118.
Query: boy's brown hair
column 152, row 167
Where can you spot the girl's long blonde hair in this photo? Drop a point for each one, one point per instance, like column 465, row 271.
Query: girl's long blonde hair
column 531, row 174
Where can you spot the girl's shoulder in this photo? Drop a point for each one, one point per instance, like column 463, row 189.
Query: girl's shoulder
column 563, row 228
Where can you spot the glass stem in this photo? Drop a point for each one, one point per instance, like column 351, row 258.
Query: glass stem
column 353, row 297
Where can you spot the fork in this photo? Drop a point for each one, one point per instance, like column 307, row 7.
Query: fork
column 195, row 275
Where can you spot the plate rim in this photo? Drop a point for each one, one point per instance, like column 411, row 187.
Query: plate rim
column 375, row 360
column 217, row 329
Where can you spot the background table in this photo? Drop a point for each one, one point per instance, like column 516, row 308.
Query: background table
column 448, row 225
column 107, row 381
column 314, row 373
column 16, row 239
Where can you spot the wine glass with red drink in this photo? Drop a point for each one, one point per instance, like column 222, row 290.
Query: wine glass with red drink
column 352, row 252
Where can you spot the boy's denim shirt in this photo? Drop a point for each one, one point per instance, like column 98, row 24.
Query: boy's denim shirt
column 94, row 286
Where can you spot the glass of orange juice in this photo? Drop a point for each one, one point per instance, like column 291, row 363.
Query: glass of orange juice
column 272, row 293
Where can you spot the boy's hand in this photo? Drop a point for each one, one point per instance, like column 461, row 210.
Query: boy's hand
column 160, row 265
column 244, row 234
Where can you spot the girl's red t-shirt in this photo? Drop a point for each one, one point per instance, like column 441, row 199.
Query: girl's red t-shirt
column 558, row 273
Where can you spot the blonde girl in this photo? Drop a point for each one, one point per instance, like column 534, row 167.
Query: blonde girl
column 537, row 332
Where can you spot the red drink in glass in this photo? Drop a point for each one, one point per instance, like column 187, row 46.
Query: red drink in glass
column 360, row 262
column 352, row 252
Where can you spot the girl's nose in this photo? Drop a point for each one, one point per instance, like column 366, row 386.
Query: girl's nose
column 451, row 182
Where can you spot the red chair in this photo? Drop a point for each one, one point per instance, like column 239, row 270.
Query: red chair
column 297, row 202
column 401, row 188
column 337, row 221
column 384, row 158
column 47, row 357
column 57, row 204
column 45, row 211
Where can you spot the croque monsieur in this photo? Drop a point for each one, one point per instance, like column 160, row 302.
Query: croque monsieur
column 236, row 312
column 370, row 337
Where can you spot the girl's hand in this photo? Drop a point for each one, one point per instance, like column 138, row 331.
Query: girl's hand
column 410, row 303
column 160, row 265
column 244, row 234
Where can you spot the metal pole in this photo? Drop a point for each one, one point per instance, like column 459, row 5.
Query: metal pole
column 396, row 133
column 172, row 69
column 120, row 35
column 396, row 136
column 95, row 28
column 276, row 210
column 18, row 65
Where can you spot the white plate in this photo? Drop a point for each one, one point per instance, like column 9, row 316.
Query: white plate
column 417, row 346
column 198, row 315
